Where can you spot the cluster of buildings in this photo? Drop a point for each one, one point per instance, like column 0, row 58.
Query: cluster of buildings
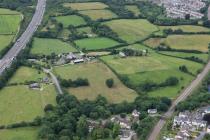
column 181, row 8
column 73, row 58
column 37, row 85
column 189, row 125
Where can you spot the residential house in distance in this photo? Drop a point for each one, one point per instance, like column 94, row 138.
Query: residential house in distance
column 135, row 115
column 122, row 54
column 152, row 111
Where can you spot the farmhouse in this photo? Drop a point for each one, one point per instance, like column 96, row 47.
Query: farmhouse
column 35, row 86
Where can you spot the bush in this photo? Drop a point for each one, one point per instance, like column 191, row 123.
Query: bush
column 110, row 83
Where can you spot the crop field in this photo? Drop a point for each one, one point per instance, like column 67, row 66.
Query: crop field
column 96, row 43
column 24, row 74
column 27, row 133
column 134, row 9
column 19, row 103
column 86, row 5
column 73, row 20
column 97, row 74
column 5, row 40
column 153, row 42
column 44, row 46
column 132, row 30
column 9, row 24
column 187, row 28
column 188, row 42
column 99, row 14
column 202, row 56
column 156, row 68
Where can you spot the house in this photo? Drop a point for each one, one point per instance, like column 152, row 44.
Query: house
column 152, row 111
column 123, row 122
column 122, row 54
column 78, row 61
column 35, row 86
column 92, row 124
column 208, row 129
column 46, row 80
column 135, row 115
column 70, row 56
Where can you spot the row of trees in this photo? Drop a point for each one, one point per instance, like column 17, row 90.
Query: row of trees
column 74, row 83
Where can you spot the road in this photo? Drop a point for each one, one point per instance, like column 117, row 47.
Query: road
column 209, row 13
column 21, row 43
column 156, row 130
column 55, row 80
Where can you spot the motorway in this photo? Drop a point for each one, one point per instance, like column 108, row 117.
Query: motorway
column 21, row 43
column 194, row 84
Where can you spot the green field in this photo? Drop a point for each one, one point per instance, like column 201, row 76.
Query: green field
column 132, row 30
column 86, row 5
column 97, row 74
column 24, row 74
column 4, row 11
column 187, row 28
column 154, row 67
column 45, row 46
column 27, row 133
column 202, row 56
column 19, row 103
column 5, row 41
column 188, row 42
column 72, row 20
column 134, row 9
column 99, row 14
column 96, row 43
column 9, row 24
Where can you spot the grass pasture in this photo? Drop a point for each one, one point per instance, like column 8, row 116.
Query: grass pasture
column 97, row 74
column 187, row 28
column 86, row 6
column 134, row 9
column 202, row 56
column 5, row 40
column 24, row 74
column 19, row 103
column 73, row 20
column 96, row 43
column 9, row 24
column 188, row 42
column 4, row 11
column 27, row 133
column 99, row 14
column 43, row 46
column 86, row 30
column 132, row 30
column 156, row 68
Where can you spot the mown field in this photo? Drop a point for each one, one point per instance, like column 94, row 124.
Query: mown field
column 187, row 28
column 9, row 24
column 134, row 9
column 153, row 42
column 28, row 133
column 72, row 20
column 132, row 30
column 99, row 14
column 96, row 43
column 188, row 42
column 86, row 5
column 155, row 68
column 43, row 46
column 24, row 74
column 5, row 40
column 19, row 103
column 97, row 74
